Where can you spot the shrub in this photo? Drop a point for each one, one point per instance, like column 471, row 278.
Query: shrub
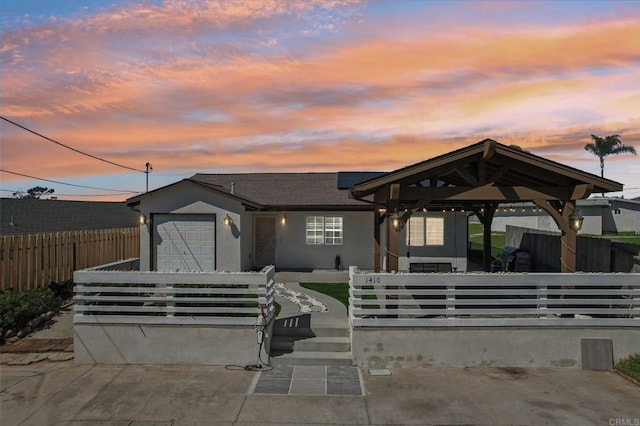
column 63, row 290
column 17, row 308
column 630, row 366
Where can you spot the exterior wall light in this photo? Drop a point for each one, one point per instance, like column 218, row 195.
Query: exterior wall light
column 575, row 220
column 227, row 220
column 396, row 222
column 143, row 219
column 283, row 219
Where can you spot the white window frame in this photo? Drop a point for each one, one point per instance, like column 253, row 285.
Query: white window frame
column 425, row 231
column 314, row 231
column 324, row 230
column 434, row 231
column 333, row 230
column 415, row 231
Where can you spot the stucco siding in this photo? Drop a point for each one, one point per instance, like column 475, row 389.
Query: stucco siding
column 246, row 242
column 625, row 217
column 189, row 199
column 453, row 251
column 292, row 251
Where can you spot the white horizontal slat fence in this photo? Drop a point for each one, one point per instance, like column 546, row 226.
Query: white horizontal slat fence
column 506, row 299
column 107, row 296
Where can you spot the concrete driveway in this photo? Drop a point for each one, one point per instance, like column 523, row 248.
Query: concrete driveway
column 61, row 393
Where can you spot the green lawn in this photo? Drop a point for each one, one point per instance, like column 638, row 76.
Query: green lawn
column 497, row 241
column 630, row 366
column 621, row 238
column 475, row 228
column 339, row 291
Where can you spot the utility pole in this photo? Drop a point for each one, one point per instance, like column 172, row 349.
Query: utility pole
column 149, row 168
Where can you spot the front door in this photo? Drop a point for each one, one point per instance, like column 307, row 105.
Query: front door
column 265, row 241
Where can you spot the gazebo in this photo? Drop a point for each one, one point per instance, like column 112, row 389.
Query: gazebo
column 478, row 178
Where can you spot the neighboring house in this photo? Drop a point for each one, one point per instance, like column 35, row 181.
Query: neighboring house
column 622, row 216
column 601, row 216
column 33, row 216
column 298, row 221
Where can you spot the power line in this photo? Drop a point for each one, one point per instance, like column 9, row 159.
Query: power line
column 71, row 148
column 65, row 183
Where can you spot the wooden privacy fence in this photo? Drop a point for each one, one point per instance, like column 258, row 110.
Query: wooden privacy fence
column 28, row 261
column 498, row 300
column 593, row 254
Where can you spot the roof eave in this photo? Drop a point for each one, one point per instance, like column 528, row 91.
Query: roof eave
column 599, row 184
column 135, row 201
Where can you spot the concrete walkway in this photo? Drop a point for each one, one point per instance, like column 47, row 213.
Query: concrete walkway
column 62, row 393
column 335, row 315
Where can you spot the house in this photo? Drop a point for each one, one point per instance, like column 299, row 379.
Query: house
column 183, row 307
column 601, row 216
column 402, row 220
column 32, row 216
column 296, row 221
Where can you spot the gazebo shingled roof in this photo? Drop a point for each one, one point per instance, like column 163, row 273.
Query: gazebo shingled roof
column 490, row 164
column 477, row 178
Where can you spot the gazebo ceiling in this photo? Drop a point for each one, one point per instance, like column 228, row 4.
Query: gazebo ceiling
column 484, row 172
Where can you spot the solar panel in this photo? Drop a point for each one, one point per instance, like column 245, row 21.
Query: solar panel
column 348, row 180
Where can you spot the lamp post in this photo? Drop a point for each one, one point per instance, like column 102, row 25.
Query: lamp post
column 149, row 168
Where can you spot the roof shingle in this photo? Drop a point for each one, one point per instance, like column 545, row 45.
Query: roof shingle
column 284, row 189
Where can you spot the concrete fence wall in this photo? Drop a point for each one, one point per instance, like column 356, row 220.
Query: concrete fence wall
column 171, row 318
column 506, row 319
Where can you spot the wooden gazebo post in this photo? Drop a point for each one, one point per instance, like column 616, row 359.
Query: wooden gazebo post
column 485, row 215
column 560, row 212
column 392, row 243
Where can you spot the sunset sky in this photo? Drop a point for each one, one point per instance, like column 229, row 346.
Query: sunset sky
column 309, row 85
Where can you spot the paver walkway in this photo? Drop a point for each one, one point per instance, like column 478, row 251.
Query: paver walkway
column 52, row 343
column 32, row 344
column 309, row 380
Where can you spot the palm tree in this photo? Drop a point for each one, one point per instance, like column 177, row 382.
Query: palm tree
column 609, row 145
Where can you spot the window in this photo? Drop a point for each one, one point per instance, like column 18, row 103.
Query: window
column 333, row 230
column 324, row 230
column 315, row 230
column 425, row 231
column 415, row 231
column 435, row 231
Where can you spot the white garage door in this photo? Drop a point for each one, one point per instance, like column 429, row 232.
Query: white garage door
column 185, row 242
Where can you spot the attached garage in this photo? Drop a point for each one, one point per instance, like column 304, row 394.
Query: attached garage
column 184, row 242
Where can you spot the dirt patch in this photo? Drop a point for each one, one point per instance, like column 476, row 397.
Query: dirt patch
column 513, row 372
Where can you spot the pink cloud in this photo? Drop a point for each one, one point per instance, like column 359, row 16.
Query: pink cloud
column 366, row 103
